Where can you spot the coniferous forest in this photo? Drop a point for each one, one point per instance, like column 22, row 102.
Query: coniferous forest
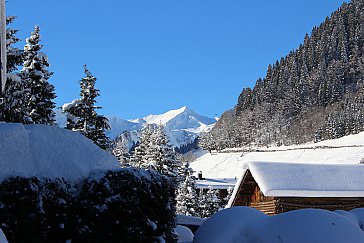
column 314, row 93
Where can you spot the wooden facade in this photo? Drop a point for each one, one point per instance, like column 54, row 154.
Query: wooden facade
column 250, row 195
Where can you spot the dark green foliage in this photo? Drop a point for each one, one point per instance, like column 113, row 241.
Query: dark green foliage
column 82, row 116
column 20, row 213
column 12, row 105
column 39, row 105
column 34, row 211
column 119, row 207
column 314, row 87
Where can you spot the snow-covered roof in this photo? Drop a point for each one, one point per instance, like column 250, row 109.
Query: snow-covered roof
column 49, row 152
column 308, row 180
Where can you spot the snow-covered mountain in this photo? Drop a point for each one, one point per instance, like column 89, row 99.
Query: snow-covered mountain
column 182, row 125
column 118, row 126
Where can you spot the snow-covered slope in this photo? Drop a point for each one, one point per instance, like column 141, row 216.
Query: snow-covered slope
column 118, row 126
column 49, row 152
column 345, row 150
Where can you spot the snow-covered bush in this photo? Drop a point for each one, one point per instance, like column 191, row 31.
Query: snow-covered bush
column 32, row 210
column 127, row 205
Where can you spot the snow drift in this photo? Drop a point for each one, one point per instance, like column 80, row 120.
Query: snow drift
column 242, row 224
column 2, row 237
column 49, row 152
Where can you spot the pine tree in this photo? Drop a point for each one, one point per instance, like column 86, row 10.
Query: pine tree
column 82, row 116
column 208, row 203
column 35, row 74
column 161, row 156
column 139, row 159
column 12, row 105
column 156, row 153
column 120, row 150
column 187, row 203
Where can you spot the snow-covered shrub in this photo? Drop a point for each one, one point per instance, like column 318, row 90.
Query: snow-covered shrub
column 32, row 210
column 129, row 204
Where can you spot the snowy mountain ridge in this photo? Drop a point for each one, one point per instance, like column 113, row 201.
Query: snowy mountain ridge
column 182, row 125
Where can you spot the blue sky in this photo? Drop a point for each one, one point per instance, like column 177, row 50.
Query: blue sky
column 151, row 56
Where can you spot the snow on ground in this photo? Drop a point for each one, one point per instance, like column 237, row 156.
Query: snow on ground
column 2, row 237
column 346, row 150
column 185, row 235
column 189, row 220
column 242, row 224
column 49, row 152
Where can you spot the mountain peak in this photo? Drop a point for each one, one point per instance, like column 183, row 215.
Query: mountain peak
column 182, row 125
column 164, row 118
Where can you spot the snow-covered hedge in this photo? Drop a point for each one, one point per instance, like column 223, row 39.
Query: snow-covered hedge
column 126, row 205
column 129, row 204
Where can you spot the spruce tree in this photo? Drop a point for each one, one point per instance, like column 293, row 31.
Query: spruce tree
column 208, row 203
column 187, row 203
column 39, row 104
column 82, row 116
column 120, row 150
column 12, row 105
column 161, row 156
column 139, row 159
column 156, row 153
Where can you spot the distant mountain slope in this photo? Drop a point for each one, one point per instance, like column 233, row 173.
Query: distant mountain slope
column 315, row 93
column 118, row 126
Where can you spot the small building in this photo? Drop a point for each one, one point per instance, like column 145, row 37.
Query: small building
column 275, row 188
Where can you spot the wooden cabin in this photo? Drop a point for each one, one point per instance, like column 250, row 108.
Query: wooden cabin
column 275, row 188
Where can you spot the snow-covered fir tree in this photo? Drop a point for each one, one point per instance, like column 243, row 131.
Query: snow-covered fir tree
column 139, row 159
column 156, row 153
column 162, row 157
column 82, row 116
column 39, row 104
column 209, row 203
column 187, row 197
column 13, row 100
column 120, row 150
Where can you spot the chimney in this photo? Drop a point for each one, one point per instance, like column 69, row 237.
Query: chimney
column 200, row 175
